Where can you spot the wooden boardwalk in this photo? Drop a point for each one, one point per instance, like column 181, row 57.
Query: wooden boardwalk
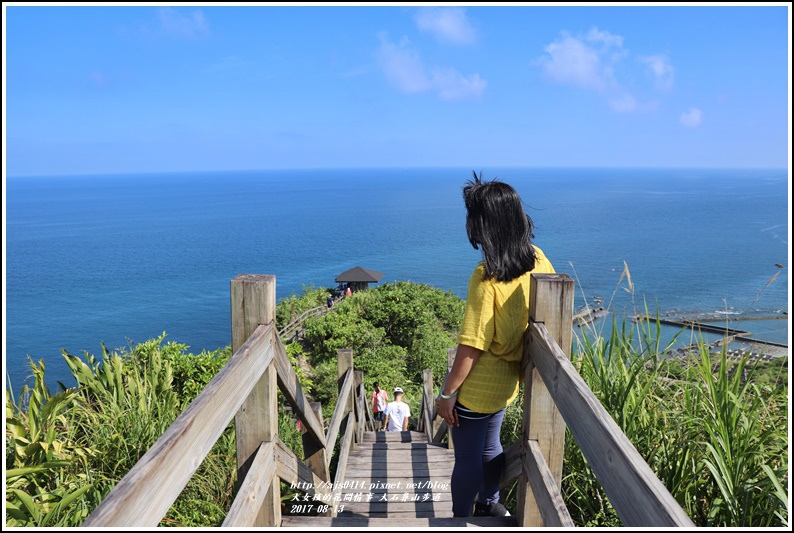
column 397, row 479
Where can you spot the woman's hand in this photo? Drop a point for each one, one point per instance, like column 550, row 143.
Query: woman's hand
column 446, row 410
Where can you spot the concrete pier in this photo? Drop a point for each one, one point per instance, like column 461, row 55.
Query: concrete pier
column 755, row 348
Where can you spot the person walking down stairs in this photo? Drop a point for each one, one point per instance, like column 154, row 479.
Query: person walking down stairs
column 397, row 413
column 379, row 401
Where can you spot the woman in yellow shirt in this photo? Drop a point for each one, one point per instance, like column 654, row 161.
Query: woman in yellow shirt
column 485, row 375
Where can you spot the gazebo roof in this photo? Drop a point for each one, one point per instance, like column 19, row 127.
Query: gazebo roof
column 359, row 274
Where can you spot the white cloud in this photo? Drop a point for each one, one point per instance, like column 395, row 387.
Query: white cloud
column 604, row 37
column 404, row 68
column 446, row 24
column 624, row 103
column 661, row 69
column 692, row 117
column 573, row 62
column 590, row 62
column 452, row 85
column 175, row 23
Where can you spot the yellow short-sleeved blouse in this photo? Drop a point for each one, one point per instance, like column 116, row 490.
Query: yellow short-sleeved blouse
column 495, row 320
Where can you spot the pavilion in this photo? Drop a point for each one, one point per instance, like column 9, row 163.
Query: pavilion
column 359, row 278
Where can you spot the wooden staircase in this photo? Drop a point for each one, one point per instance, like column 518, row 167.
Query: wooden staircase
column 387, row 480
column 397, row 479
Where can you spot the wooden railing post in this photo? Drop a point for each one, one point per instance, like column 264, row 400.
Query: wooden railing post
column 357, row 395
column 451, row 353
column 253, row 302
column 551, row 302
column 315, row 456
column 344, row 361
column 427, row 404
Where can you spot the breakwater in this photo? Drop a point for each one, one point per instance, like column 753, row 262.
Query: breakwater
column 739, row 343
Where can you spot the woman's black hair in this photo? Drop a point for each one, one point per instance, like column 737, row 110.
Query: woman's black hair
column 496, row 221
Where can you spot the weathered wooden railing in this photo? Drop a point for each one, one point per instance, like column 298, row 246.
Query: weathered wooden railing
column 295, row 324
column 244, row 390
column 430, row 423
column 350, row 417
column 555, row 395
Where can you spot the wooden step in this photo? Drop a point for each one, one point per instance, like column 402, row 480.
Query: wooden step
column 394, row 436
column 406, row 470
column 374, row 508
column 416, row 447
column 397, row 456
column 397, row 476
column 404, row 476
column 399, row 522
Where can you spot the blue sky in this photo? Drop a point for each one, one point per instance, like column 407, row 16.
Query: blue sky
column 160, row 88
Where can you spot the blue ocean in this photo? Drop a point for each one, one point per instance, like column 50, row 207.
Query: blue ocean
column 121, row 259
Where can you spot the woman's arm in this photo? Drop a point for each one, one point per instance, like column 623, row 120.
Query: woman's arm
column 465, row 358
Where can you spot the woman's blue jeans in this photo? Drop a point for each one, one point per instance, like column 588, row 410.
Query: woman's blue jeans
column 479, row 459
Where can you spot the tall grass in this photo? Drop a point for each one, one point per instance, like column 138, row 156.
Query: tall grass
column 743, row 450
column 66, row 451
column 714, row 431
column 46, row 480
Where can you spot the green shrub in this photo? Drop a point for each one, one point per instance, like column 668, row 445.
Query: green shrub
column 46, row 480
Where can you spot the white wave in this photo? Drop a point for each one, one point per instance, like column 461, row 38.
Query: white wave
column 771, row 227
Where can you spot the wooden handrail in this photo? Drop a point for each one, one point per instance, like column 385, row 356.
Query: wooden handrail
column 436, row 427
column 300, row 318
column 361, row 407
column 428, row 405
column 368, row 410
column 544, row 488
column 340, row 411
column 442, row 429
column 344, row 453
column 514, row 463
column 243, row 390
column 348, row 415
column 290, row 469
column 252, row 492
column 296, row 322
column 638, row 496
column 290, row 386
column 145, row 494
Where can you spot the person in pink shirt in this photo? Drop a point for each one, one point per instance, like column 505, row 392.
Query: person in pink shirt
column 379, row 401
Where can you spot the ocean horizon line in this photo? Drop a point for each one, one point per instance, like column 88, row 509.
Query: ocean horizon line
column 397, row 167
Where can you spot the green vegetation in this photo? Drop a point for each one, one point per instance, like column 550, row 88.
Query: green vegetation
column 69, row 449
column 395, row 331
column 715, row 432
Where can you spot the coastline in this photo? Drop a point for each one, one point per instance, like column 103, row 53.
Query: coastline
column 738, row 342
